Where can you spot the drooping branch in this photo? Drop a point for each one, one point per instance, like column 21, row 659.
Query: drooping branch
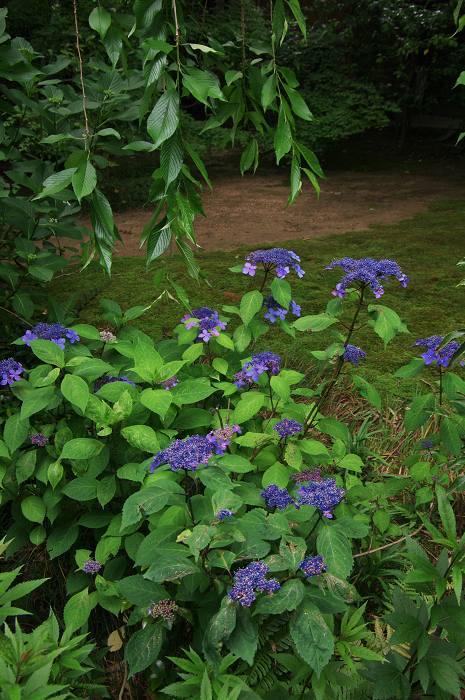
column 81, row 76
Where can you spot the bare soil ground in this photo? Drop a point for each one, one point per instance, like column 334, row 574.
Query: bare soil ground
column 252, row 209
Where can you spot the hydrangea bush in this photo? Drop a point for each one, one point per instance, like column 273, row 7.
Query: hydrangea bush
column 195, row 489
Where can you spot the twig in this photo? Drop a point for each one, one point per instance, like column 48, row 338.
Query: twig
column 243, row 36
column 176, row 21
column 391, row 544
column 82, row 77
column 16, row 315
column 125, row 678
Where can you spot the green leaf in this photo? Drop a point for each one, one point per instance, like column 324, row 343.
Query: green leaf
column 84, row 180
column 62, row 539
column 446, row 512
column 242, row 337
column 81, row 448
column 386, row 322
column 235, row 463
column 56, row 183
column 282, row 137
column 197, row 160
column 77, row 610
column 419, row 411
column 157, row 400
column 81, row 489
column 147, row 361
column 287, row 598
column 280, row 387
column 141, row 436
column 171, row 157
column 249, row 155
column 205, row 687
column 446, row 672
column 251, row 303
column 218, row 629
column 276, row 474
column 314, row 323
column 451, row 435
column 100, row 20
column 147, row 501
column 15, row 432
column 298, row 104
column 335, row 548
column 164, row 118
column 382, row 519
column 33, row 509
column 413, row 369
column 312, row 637
column 190, row 392
column 248, row 407
column 36, row 400
column 75, row 390
column 138, row 591
column 48, row 352
column 143, row 647
column 113, row 43
column 351, row 462
column 269, row 91
column 171, row 568
column 281, row 290
column 244, row 640
column 368, row 391
column 25, row 464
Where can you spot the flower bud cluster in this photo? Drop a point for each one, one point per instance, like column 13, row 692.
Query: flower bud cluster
column 55, row 332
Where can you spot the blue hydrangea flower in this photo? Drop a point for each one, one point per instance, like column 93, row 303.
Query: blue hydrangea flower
column 55, row 332
column 324, row 495
column 275, row 310
column 353, row 354
column 222, row 437
column 224, row 513
column 188, row 453
column 261, row 362
column 427, row 445
column 169, row 383
column 38, row 439
column 250, row 579
column 92, row 567
column 274, row 496
column 287, row 426
column 109, row 380
column 367, row 272
column 432, row 354
column 207, row 321
column 277, row 259
column 312, row 566
column 10, row 371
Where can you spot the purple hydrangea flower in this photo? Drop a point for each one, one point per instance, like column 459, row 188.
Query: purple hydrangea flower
column 55, row 332
column 224, row 513
column 250, row 579
column 277, row 259
column 164, row 608
column 187, row 454
column 92, row 567
column 307, row 475
column 38, row 439
column 274, row 496
column 10, row 371
column 107, row 337
column 109, row 380
column 169, row 383
column 275, row 310
column 261, row 362
column 221, row 437
column 324, row 495
column 367, row 272
column 207, row 321
column 432, row 354
column 287, row 426
column 249, row 269
column 427, row 445
column 295, row 308
column 312, row 566
column 353, row 354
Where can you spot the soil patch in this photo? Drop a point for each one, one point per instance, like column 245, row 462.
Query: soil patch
column 251, row 209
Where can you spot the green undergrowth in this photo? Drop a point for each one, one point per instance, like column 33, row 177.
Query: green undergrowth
column 427, row 247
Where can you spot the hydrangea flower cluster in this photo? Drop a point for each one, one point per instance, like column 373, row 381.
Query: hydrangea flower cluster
column 353, row 354
column 307, row 475
column 169, row 383
column 275, row 310
column 287, row 426
column 312, row 566
column 249, row 579
column 427, row 445
column 368, row 272
column 324, row 495
column 38, row 439
column 164, row 608
column 55, row 332
column 278, row 259
column 274, row 496
column 261, row 362
column 10, row 371
column 109, row 380
column 432, row 354
column 207, row 321
column 222, row 436
column 188, row 453
column 107, row 337
column 92, row 567
column 224, row 513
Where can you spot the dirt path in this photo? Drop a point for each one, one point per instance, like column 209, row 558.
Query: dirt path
column 251, row 209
